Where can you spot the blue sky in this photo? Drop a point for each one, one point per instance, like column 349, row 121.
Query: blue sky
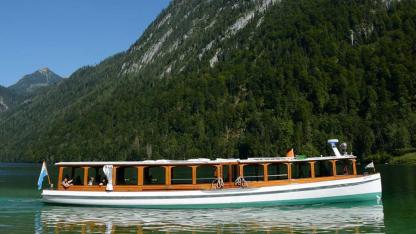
column 66, row 35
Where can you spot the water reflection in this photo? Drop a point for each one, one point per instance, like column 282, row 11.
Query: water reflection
column 350, row 218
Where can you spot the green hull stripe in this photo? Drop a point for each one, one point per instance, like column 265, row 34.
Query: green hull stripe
column 322, row 200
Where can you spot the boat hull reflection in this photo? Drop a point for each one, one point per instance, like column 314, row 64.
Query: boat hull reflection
column 351, row 218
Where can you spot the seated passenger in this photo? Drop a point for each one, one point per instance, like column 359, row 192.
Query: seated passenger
column 66, row 183
column 103, row 182
column 345, row 170
column 91, row 181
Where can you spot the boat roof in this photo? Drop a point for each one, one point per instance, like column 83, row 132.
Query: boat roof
column 202, row 161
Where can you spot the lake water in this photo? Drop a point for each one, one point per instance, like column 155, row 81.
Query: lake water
column 21, row 211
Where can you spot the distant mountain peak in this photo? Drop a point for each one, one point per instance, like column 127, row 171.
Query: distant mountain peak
column 44, row 70
column 40, row 78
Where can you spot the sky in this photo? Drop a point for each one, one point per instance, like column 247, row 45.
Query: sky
column 66, row 35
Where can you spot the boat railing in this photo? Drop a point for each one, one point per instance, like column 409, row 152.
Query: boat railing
column 205, row 180
column 253, row 176
column 278, row 175
column 199, row 180
column 181, row 179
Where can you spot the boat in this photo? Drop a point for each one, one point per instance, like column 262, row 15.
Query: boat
column 206, row 183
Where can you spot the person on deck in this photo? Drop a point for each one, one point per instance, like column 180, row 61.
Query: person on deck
column 103, row 182
column 91, row 181
column 66, row 183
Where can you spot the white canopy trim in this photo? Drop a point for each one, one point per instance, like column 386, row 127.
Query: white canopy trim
column 205, row 161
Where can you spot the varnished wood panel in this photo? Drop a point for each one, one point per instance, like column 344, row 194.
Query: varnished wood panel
column 252, row 184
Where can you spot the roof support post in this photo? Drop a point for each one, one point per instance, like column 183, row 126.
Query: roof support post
column 289, row 170
column 140, row 173
column 241, row 170
column 168, row 172
column 354, row 166
column 114, row 175
column 219, row 171
column 334, row 167
column 266, row 172
column 85, row 176
column 61, row 171
column 312, row 163
column 194, row 174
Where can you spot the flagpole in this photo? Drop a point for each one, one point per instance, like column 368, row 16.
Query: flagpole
column 49, row 178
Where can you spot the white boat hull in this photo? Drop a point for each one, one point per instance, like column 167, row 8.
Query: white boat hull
column 352, row 189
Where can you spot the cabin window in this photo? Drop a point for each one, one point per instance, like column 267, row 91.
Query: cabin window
column 323, row 168
column 206, row 174
column 253, row 172
column 153, row 175
column 277, row 171
column 126, row 176
column 226, row 173
column 96, row 176
column 76, row 175
column 301, row 170
column 235, row 172
column 66, row 173
column 230, row 170
column 344, row 167
column 181, row 175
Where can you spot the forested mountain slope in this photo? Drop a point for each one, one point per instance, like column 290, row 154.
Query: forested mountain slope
column 8, row 99
column 234, row 79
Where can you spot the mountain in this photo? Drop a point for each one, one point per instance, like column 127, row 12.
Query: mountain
column 26, row 88
column 40, row 78
column 226, row 78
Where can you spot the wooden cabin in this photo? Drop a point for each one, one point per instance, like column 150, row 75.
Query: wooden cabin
column 204, row 174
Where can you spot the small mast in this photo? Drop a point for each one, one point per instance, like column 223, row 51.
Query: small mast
column 333, row 143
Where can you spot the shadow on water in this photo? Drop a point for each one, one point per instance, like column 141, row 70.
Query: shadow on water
column 399, row 198
column 350, row 218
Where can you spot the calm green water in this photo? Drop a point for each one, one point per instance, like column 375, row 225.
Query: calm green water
column 21, row 211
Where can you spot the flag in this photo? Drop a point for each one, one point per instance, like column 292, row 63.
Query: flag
column 290, row 153
column 43, row 173
column 370, row 165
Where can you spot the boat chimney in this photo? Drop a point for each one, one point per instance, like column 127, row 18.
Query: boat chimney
column 343, row 148
column 333, row 143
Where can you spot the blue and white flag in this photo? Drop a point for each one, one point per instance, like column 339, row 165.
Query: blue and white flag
column 43, row 173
